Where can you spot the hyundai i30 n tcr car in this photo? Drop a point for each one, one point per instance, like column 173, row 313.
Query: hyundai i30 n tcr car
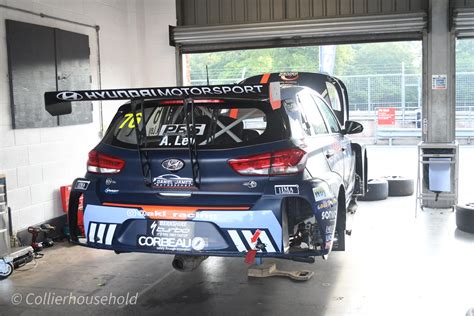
column 264, row 168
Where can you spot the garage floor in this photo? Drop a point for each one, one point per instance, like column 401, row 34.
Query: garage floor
column 396, row 264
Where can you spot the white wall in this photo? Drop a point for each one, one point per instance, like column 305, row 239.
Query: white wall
column 134, row 52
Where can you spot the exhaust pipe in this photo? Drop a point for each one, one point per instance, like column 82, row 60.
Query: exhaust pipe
column 187, row 263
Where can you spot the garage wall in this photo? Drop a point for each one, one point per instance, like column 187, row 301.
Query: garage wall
column 134, row 52
column 216, row 12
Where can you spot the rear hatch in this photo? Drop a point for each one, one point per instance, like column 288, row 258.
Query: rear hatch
column 209, row 152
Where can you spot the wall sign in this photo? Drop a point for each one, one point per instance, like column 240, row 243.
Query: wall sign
column 439, row 82
column 386, row 116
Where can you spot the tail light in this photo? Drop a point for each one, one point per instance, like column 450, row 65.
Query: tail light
column 100, row 163
column 282, row 162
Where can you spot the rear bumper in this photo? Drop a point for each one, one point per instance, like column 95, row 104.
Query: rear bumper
column 216, row 232
column 209, row 232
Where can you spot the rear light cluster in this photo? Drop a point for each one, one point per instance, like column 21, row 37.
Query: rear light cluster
column 282, row 162
column 100, row 163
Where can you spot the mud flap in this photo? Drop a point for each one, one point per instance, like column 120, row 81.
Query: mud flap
column 361, row 169
column 77, row 189
column 339, row 243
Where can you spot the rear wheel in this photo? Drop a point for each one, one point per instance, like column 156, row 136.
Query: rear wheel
column 465, row 217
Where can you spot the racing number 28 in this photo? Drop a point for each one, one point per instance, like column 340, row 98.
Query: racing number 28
column 131, row 122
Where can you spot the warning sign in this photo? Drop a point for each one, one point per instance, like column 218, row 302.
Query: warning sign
column 386, row 116
column 439, row 82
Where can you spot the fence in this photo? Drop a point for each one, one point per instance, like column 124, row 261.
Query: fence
column 368, row 92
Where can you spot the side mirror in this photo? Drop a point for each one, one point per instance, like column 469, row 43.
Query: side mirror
column 352, row 127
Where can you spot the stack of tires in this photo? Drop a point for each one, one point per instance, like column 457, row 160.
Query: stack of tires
column 380, row 189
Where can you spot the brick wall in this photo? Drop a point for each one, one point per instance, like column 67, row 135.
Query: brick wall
column 134, row 52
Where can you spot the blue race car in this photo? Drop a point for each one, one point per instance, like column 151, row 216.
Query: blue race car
column 263, row 168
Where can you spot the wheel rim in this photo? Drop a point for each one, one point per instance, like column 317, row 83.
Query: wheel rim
column 9, row 271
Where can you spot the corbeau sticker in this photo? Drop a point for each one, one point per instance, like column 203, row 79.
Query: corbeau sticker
column 172, row 181
column 172, row 235
column 287, row 189
column 82, row 185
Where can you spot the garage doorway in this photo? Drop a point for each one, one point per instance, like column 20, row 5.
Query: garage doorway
column 378, row 76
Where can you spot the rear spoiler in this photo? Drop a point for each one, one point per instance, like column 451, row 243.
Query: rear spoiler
column 59, row 102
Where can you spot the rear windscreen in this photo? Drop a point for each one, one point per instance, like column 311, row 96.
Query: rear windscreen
column 214, row 125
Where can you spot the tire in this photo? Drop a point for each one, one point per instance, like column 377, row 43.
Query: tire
column 377, row 189
column 400, row 186
column 465, row 217
column 8, row 273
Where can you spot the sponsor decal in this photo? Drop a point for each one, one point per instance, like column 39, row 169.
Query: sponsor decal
column 319, row 194
column 159, row 92
column 111, row 191
column 250, row 184
column 172, row 181
column 198, row 243
column 328, row 215
column 69, row 96
column 329, row 203
column 289, row 76
column 172, row 235
column 252, row 240
column 178, row 129
column 82, row 185
column 286, row 189
column 329, row 229
column 110, row 181
column 173, row 215
column 172, row 164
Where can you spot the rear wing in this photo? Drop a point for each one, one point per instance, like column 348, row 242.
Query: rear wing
column 59, row 102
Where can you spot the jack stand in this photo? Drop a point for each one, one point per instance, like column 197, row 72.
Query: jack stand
column 268, row 269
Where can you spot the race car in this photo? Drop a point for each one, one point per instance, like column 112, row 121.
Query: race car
column 263, row 168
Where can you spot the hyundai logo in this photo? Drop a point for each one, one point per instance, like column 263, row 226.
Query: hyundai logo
column 173, row 164
column 69, row 96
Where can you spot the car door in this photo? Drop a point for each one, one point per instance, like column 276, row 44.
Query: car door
column 342, row 147
column 323, row 141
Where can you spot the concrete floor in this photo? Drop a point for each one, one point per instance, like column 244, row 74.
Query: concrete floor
column 395, row 264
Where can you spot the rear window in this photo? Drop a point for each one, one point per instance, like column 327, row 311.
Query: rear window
column 222, row 124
